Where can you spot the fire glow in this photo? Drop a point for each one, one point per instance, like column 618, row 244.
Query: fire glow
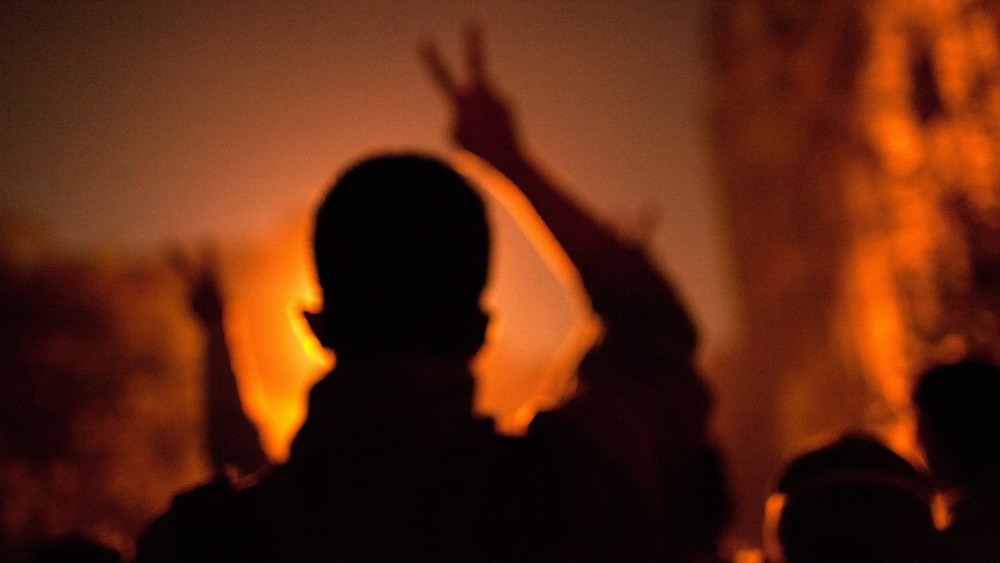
column 526, row 366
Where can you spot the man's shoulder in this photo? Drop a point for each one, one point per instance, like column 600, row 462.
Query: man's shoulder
column 206, row 523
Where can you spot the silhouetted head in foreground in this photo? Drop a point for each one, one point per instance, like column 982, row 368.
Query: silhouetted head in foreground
column 854, row 500
column 854, row 455
column 958, row 414
column 402, row 255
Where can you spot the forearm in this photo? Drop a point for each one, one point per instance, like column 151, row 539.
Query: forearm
column 584, row 239
column 232, row 438
column 625, row 288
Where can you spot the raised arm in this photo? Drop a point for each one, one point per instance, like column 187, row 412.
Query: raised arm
column 233, row 441
column 644, row 406
column 635, row 302
column 485, row 126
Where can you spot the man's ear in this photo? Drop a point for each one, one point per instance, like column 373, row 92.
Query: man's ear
column 319, row 326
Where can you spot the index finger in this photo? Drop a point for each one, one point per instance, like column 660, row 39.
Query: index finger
column 437, row 69
column 474, row 54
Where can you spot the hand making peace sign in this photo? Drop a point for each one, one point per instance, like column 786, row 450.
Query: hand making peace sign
column 483, row 123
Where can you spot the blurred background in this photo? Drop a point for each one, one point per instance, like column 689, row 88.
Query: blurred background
column 819, row 179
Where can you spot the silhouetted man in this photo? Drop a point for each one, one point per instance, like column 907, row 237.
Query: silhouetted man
column 958, row 422
column 642, row 410
column 390, row 460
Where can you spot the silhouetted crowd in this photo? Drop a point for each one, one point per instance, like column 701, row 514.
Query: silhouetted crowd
column 391, row 464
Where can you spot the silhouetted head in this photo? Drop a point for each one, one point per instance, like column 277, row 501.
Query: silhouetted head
column 958, row 414
column 862, row 522
column 853, row 500
column 854, row 455
column 402, row 254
